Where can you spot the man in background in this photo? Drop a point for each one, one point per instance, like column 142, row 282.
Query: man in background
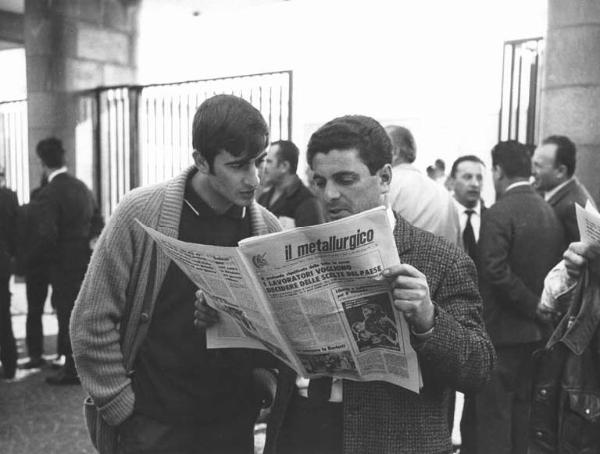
column 520, row 241
column 466, row 181
column 553, row 171
column 287, row 197
column 418, row 199
column 67, row 221
column 9, row 205
column 37, row 281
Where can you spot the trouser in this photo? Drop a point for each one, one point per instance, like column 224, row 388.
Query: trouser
column 503, row 405
column 36, row 285
column 468, row 425
column 141, row 434
column 65, row 287
column 311, row 428
column 8, row 346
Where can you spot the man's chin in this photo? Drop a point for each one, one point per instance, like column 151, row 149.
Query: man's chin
column 335, row 215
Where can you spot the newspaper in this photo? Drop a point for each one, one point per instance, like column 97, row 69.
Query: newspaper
column 313, row 296
column 588, row 222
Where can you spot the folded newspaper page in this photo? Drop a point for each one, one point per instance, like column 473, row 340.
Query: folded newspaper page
column 588, row 222
column 312, row 296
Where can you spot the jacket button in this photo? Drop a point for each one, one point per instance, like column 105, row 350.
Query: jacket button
column 539, row 434
column 543, row 392
column 587, row 411
column 144, row 317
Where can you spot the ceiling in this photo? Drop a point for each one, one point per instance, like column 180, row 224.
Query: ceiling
column 195, row 7
column 13, row 6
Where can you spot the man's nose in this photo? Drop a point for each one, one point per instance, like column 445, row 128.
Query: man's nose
column 331, row 191
column 251, row 177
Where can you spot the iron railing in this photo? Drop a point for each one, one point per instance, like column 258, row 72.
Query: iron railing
column 142, row 134
column 519, row 108
column 14, row 155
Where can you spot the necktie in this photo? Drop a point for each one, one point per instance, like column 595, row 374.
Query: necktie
column 319, row 389
column 469, row 237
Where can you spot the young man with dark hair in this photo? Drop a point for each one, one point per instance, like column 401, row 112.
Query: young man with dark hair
column 436, row 289
column 152, row 381
column 66, row 220
column 287, row 197
column 553, row 169
column 520, row 241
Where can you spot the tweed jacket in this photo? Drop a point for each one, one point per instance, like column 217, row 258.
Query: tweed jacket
column 114, row 307
column 564, row 202
column 520, row 241
column 382, row 418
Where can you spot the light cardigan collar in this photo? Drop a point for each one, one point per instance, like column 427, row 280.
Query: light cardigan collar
column 170, row 216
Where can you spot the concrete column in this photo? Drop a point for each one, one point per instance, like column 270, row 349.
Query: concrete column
column 73, row 45
column 571, row 85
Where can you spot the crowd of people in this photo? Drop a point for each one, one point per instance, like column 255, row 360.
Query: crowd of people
column 487, row 292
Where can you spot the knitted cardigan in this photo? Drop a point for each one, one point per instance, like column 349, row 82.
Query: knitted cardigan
column 115, row 304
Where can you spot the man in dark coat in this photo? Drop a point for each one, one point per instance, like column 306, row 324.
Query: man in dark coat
column 553, row 170
column 435, row 287
column 67, row 220
column 37, row 281
column 466, row 181
column 287, row 198
column 520, row 241
column 9, row 205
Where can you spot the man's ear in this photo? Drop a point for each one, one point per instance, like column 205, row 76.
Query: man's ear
column 499, row 171
column 385, row 178
column 561, row 170
column 200, row 162
column 285, row 165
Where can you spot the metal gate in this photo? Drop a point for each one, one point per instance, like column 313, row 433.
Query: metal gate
column 142, row 134
column 14, row 154
column 519, row 110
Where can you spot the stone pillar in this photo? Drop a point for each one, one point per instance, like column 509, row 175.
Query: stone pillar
column 570, row 102
column 71, row 46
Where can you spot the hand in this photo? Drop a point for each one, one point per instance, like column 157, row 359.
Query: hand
column 204, row 315
column 411, row 296
column 578, row 255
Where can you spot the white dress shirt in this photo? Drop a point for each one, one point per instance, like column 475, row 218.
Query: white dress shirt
column 475, row 217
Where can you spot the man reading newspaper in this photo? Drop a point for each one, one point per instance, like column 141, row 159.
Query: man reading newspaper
column 154, row 386
column 435, row 288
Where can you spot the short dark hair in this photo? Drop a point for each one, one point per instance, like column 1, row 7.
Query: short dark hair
column 51, row 152
column 465, row 158
column 513, row 157
column 565, row 152
column 287, row 151
column 402, row 138
column 353, row 131
column 226, row 122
